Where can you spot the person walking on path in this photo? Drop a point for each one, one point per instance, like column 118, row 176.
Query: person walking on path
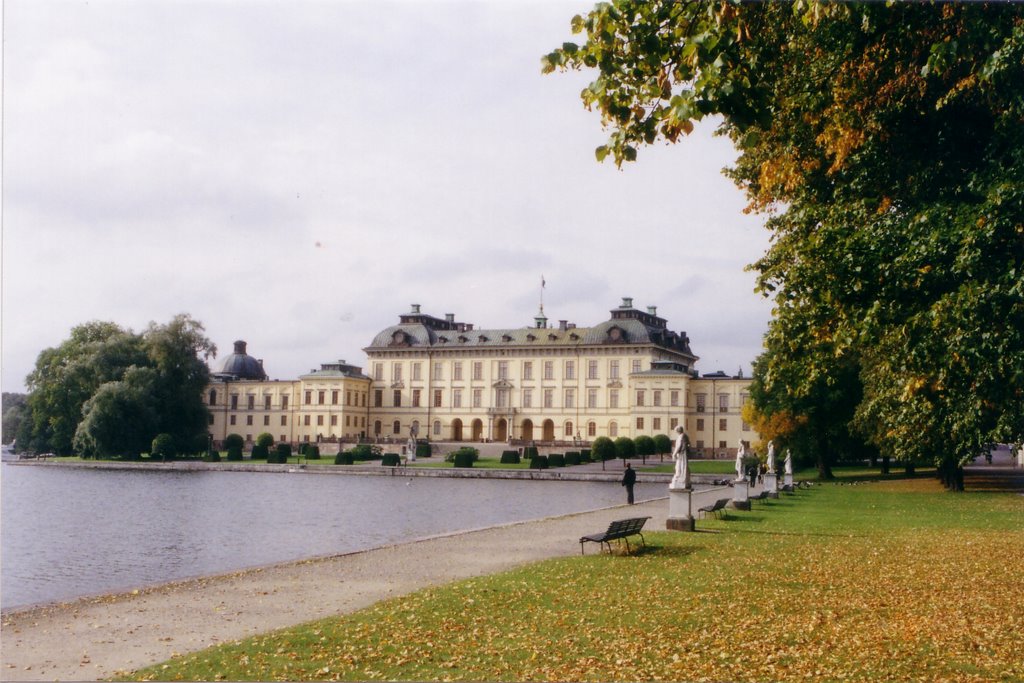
column 628, row 479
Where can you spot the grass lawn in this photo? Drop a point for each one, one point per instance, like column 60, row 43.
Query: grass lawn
column 895, row 580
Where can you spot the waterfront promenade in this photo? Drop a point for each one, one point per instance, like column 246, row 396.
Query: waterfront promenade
column 93, row 638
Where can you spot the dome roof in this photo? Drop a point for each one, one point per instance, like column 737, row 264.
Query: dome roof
column 240, row 365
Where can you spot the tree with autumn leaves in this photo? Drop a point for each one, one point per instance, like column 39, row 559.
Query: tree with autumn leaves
column 885, row 145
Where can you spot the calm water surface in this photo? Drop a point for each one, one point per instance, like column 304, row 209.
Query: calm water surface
column 68, row 532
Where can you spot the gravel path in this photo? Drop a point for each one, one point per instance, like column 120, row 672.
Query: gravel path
column 93, row 638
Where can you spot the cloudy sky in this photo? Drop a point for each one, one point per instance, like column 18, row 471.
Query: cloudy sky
column 296, row 174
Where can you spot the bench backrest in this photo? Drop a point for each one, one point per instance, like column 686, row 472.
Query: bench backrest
column 627, row 526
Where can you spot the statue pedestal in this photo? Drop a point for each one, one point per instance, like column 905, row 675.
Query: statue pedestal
column 741, row 494
column 679, row 517
column 771, row 484
column 787, row 481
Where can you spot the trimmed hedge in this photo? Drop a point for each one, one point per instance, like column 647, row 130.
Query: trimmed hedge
column 234, row 454
column 213, row 456
column 585, row 455
column 343, row 458
column 233, row 440
column 572, row 458
column 365, row 451
column 391, row 459
column 464, row 457
column 530, row 452
column 510, row 457
column 260, row 452
column 556, row 460
column 539, row 462
column 424, row 450
column 280, row 454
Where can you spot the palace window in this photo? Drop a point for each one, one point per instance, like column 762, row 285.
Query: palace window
column 396, row 372
column 234, row 402
column 549, row 369
column 673, row 423
column 723, row 425
column 319, row 420
column 636, row 365
column 502, row 369
column 591, row 398
column 320, row 396
column 478, row 397
column 416, row 398
column 213, row 397
column 417, row 370
column 266, row 420
column 673, row 398
column 591, row 429
column 591, row 369
column 613, row 369
column 437, row 398
column 378, row 398
column 248, row 420
column 701, row 402
column 640, row 397
column 657, row 397
column 613, row 398
column 378, row 372
column 396, row 398
column 613, row 429
column 478, row 370
column 457, row 370
column 570, row 398
column 723, row 402
column 396, row 427
column 437, row 428
column 305, row 420
column 549, row 398
column 334, row 397
column 438, row 374
column 501, row 398
column 700, row 424
column 568, row 429
column 527, row 398
column 334, row 420
column 639, row 423
column 250, row 402
column 528, row 369
column 284, row 402
column 656, row 424
column 309, row 397
column 570, row 369
column 456, row 398
column 231, row 420
column 284, row 421
column 266, row 403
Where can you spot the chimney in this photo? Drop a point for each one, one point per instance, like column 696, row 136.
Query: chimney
column 449, row 317
column 563, row 325
column 416, row 309
column 653, row 310
column 240, row 347
column 627, row 302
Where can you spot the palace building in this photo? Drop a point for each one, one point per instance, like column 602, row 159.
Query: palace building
column 445, row 380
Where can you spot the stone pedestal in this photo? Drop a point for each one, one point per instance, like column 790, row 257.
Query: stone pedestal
column 788, row 481
column 771, row 484
column 741, row 494
column 679, row 516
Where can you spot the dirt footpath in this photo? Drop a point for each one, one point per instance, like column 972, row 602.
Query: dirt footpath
column 94, row 638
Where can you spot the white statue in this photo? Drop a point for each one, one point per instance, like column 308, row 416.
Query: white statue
column 741, row 453
column 681, row 479
column 771, row 457
column 788, row 465
column 411, row 448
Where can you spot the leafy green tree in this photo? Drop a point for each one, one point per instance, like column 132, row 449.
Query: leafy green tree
column 15, row 411
column 264, row 439
column 603, row 449
column 121, row 418
column 67, row 376
column 624, row 448
column 644, row 446
column 885, row 144
column 662, row 444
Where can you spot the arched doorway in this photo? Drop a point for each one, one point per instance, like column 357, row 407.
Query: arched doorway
column 501, row 430
column 548, row 433
column 456, row 429
column 478, row 430
column 527, row 430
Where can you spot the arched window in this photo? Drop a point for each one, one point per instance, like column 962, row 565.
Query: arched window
column 437, row 428
column 213, row 397
column 396, row 427
column 568, row 429
column 591, row 429
column 613, row 429
column 377, row 428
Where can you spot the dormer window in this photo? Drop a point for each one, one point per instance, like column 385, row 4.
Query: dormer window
column 506, row 338
column 616, row 334
column 531, row 337
column 443, row 339
column 552, row 337
column 574, row 336
column 482, row 339
column 463, row 339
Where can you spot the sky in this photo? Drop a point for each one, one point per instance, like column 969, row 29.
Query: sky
column 297, row 174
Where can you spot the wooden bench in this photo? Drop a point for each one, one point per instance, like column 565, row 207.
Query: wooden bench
column 620, row 529
column 715, row 508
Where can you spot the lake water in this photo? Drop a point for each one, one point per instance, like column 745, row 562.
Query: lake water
column 68, row 532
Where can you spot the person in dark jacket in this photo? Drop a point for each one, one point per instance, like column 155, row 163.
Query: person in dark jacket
column 628, row 479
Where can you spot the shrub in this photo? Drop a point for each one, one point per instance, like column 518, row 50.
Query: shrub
column 343, row 458
column 260, row 452
column 163, row 447
column 469, row 451
column 464, row 457
column 391, row 459
column 530, row 452
column 234, row 454
column 662, row 444
column 264, row 439
column 233, row 440
column 366, row 452
column 510, row 457
column 624, row 448
column 539, row 462
column 556, row 460
column 603, row 449
column 280, row 454
column 424, row 450
column 572, row 458
column 644, row 446
column 312, row 452
column 585, row 455
column 213, row 456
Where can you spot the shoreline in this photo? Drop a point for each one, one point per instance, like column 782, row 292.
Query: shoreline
column 95, row 637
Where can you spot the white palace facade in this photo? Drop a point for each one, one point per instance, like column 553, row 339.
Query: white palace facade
column 444, row 380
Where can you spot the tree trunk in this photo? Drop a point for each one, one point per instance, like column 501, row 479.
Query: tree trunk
column 885, row 464
column 824, row 467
